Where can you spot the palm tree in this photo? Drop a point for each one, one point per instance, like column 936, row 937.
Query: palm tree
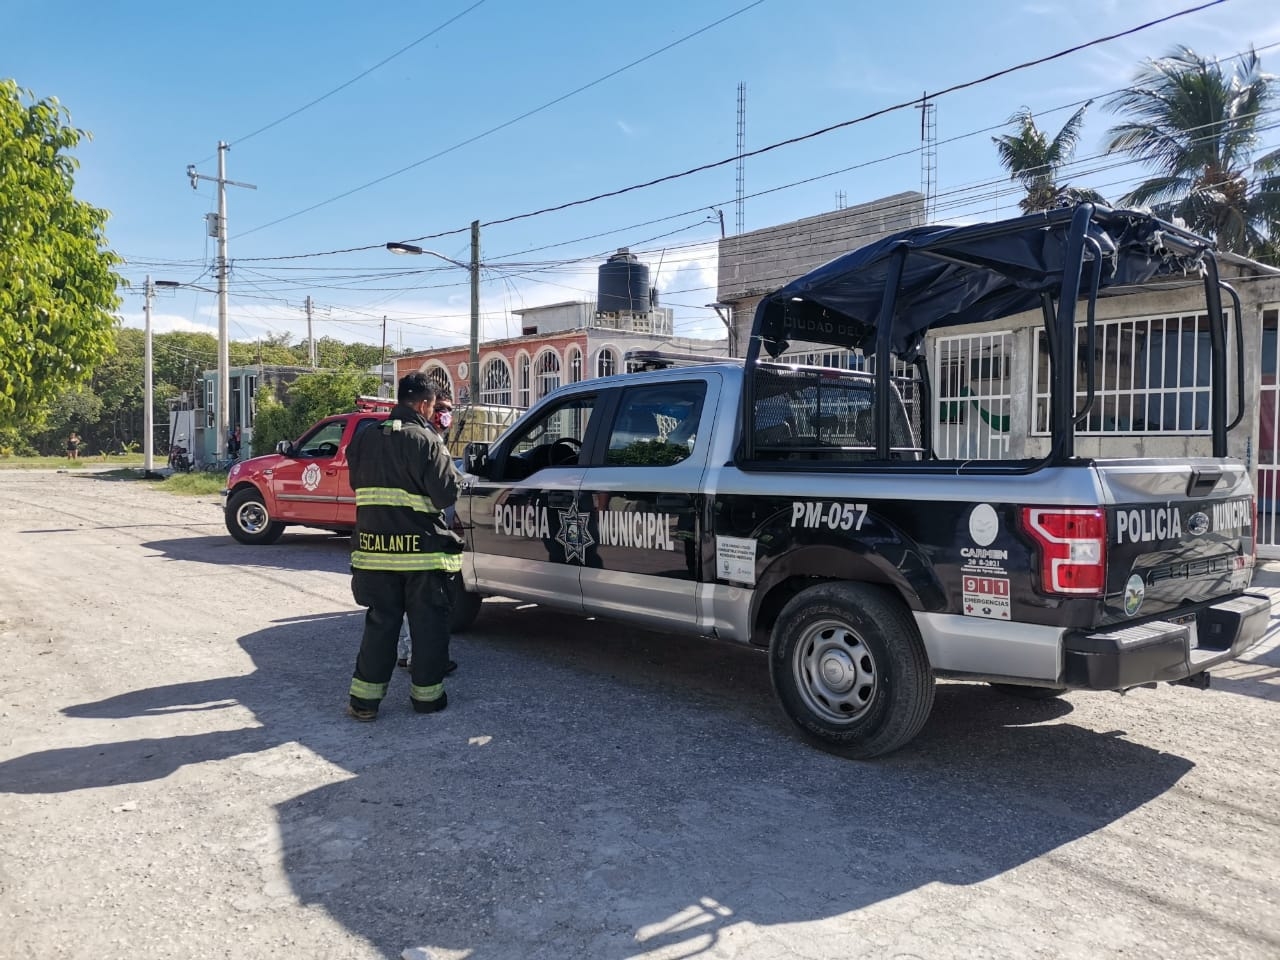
column 1196, row 127
column 1035, row 161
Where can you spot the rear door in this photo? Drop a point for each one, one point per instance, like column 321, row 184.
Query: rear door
column 306, row 482
column 527, row 530
column 642, row 490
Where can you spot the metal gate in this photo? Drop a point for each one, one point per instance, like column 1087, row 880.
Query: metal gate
column 972, row 393
column 1269, row 440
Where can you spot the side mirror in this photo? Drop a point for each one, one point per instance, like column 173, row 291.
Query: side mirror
column 284, row 447
column 475, row 459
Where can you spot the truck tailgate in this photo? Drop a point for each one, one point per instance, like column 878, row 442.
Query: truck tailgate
column 1180, row 532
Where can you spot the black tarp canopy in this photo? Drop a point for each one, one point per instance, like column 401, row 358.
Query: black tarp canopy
column 968, row 274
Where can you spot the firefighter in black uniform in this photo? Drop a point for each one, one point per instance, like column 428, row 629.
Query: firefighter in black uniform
column 403, row 554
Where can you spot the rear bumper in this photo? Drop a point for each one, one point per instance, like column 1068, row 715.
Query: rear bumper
column 1163, row 651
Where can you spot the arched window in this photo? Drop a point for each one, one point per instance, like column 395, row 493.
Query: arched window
column 575, row 365
column 439, row 376
column 606, row 363
column 522, row 364
column 495, row 383
column 547, row 372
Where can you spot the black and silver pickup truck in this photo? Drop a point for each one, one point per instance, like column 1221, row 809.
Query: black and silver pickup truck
column 804, row 509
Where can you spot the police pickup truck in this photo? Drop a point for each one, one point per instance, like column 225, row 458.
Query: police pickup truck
column 804, row 509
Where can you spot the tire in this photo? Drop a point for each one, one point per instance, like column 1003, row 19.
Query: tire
column 248, row 521
column 1029, row 693
column 850, row 670
column 466, row 607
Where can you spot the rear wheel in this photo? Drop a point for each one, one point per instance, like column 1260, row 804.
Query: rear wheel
column 1029, row 693
column 249, row 521
column 850, row 670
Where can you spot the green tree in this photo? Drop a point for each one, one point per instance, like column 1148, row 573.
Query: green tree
column 311, row 397
column 1035, row 161
column 77, row 409
column 1196, row 126
column 57, row 285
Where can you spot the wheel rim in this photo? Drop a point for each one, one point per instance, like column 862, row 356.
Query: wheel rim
column 252, row 517
column 835, row 672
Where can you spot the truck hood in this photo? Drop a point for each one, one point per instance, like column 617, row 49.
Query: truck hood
column 254, row 467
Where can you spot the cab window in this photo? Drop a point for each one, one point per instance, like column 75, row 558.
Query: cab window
column 321, row 442
column 552, row 440
column 657, row 425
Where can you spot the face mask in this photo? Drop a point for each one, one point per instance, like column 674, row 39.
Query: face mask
column 443, row 418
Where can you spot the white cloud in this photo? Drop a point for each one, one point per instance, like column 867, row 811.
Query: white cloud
column 166, row 323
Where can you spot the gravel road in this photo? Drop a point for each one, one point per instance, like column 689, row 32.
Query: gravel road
column 178, row 780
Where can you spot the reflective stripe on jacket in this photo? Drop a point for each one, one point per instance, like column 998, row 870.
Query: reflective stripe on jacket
column 404, row 480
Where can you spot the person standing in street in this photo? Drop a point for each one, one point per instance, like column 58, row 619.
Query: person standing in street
column 439, row 422
column 404, row 556
column 73, row 446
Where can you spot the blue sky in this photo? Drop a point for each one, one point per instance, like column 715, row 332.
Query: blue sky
column 158, row 84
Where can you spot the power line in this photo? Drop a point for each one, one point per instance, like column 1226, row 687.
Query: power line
column 359, row 76
column 513, row 120
column 762, row 150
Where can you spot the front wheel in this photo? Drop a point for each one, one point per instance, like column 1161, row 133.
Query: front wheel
column 466, row 607
column 850, row 670
column 249, row 521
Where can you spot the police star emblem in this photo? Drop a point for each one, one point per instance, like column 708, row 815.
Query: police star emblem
column 574, row 534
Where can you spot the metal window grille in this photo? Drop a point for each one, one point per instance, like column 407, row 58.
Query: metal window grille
column 495, row 383
column 523, row 364
column 575, row 365
column 1151, row 376
column 606, row 363
column 439, row 376
column 251, row 386
column 548, row 372
column 972, row 395
column 1268, row 439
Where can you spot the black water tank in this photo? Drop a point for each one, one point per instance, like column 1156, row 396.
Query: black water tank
column 623, row 285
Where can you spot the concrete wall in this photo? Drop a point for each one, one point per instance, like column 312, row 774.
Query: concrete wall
column 753, row 264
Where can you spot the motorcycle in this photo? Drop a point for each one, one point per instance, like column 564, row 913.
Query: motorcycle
column 179, row 458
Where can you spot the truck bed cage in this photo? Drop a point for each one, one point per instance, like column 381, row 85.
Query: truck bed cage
column 885, row 297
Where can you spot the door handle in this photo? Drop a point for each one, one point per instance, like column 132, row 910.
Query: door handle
column 331, row 472
column 560, row 498
column 674, row 500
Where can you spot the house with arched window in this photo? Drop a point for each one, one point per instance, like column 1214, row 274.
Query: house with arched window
column 560, row 343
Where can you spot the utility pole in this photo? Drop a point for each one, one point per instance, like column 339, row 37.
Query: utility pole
column 473, row 365
column 382, row 366
column 148, row 381
column 311, row 342
column 148, row 387
column 223, row 397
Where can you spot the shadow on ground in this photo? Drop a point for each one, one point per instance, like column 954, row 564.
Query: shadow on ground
column 300, row 548
column 595, row 791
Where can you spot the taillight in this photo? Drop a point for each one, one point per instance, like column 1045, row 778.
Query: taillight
column 1073, row 548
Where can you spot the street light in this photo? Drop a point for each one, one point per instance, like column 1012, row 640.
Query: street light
column 148, row 390
column 473, row 364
